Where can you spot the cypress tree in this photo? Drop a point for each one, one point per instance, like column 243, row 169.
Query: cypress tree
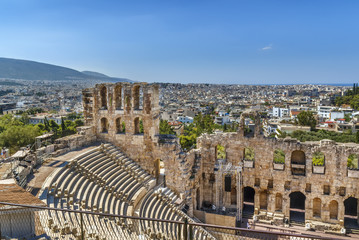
column 63, row 126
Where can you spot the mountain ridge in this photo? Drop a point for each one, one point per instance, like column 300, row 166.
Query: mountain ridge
column 31, row 70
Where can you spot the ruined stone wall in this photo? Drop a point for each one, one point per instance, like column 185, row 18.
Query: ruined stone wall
column 84, row 136
column 109, row 105
column 194, row 175
column 264, row 178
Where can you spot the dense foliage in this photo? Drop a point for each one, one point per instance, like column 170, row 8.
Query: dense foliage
column 165, row 128
column 306, row 118
column 16, row 132
column 303, row 136
column 351, row 98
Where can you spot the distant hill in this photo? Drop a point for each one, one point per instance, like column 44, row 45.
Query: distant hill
column 94, row 74
column 30, row 70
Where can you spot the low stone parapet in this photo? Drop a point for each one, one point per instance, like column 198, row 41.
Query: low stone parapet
column 353, row 173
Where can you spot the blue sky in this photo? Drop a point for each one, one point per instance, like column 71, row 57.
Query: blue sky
column 234, row 42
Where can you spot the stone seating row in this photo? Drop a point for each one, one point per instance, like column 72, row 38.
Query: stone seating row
column 160, row 204
column 100, row 186
column 105, row 180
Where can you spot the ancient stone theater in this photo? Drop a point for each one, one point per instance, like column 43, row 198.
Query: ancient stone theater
column 246, row 180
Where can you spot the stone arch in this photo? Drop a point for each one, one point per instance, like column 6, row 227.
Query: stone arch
column 118, row 125
column 352, row 161
column 103, row 97
column 297, row 206
column 138, row 126
column 137, row 94
column 263, row 200
column 333, row 209
column 104, row 125
column 317, row 207
column 118, row 97
column 298, row 157
column 278, row 202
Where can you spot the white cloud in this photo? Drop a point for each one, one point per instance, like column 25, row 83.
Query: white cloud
column 266, row 48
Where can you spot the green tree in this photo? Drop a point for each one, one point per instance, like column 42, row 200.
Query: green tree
column 24, row 118
column 54, row 128
column 306, row 118
column 63, row 126
column 165, row 128
column 47, row 124
column 15, row 137
column 79, row 122
column 347, row 117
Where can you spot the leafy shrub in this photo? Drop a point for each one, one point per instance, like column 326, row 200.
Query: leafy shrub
column 353, row 161
column 221, row 152
column 249, row 154
column 279, row 156
column 318, row 159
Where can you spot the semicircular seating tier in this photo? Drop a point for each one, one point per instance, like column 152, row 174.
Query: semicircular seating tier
column 105, row 180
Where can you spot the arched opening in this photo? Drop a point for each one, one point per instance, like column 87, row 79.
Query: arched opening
column 123, row 125
column 118, row 97
column 248, row 201
column 333, row 209
column 352, row 161
column 298, row 157
column 138, row 126
column 220, row 152
column 298, row 163
column 234, row 196
column 118, row 126
column 279, row 156
column 104, row 125
column 263, row 200
column 317, row 207
column 103, row 96
column 297, row 207
column 351, row 212
column 137, row 97
column 278, row 202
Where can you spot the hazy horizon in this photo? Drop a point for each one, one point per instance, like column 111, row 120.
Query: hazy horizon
column 232, row 42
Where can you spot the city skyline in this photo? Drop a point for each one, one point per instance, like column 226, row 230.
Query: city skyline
column 232, row 42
